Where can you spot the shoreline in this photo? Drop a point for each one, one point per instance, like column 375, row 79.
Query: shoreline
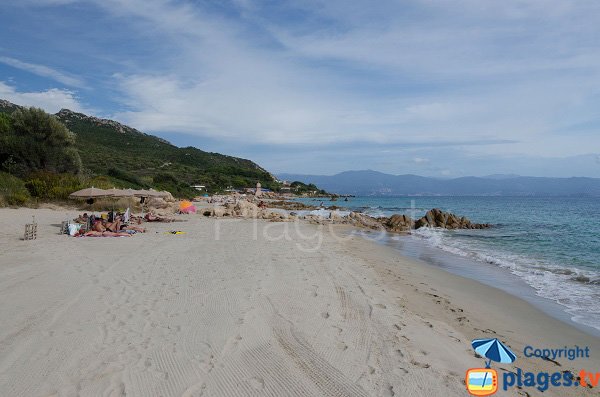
column 483, row 273
column 249, row 307
column 490, row 266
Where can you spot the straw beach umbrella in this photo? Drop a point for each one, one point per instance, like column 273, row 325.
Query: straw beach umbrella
column 141, row 193
column 114, row 192
column 89, row 193
column 154, row 193
column 128, row 193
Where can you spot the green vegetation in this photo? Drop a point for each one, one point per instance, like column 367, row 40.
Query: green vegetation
column 38, row 158
column 31, row 140
column 311, row 189
column 140, row 160
column 46, row 157
column 12, row 190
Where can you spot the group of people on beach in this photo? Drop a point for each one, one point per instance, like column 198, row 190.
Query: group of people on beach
column 114, row 225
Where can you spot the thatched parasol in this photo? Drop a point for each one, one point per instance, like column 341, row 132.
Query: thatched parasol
column 141, row 193
column 90, row 192
column 154, row 193
column 114, row 192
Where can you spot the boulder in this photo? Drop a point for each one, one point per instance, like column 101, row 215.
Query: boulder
column 205, row 211
column 438, row 218
column 246, row 209
column 169, row 197
column 362, row 220
column 157, row 203
column 221, row 211
column 398, row 223
column 216, row 211
column 336, row 217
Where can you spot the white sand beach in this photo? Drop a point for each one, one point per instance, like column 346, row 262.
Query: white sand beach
column 240, row 308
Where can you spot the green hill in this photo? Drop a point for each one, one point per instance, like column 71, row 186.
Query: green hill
column 129, row 158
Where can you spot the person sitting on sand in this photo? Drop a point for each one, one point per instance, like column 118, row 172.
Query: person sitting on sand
column 82, row 218
column 98, row 227
column 262, row 205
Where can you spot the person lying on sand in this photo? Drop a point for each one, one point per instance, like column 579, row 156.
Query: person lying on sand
column 134, row 228
column 93, row 233
column 103, row 226
column 113, row 226
column 151, row 217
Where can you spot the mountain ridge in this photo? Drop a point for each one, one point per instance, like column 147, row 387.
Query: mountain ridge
column 369, row 182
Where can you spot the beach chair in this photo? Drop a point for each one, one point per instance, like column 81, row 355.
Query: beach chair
column 30, row 230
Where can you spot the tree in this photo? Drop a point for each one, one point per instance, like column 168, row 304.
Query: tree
column 36, row 140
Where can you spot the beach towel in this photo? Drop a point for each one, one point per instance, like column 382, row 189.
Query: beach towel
column 74, row 228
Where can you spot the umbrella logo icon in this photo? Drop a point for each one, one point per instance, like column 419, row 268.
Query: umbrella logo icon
column 484, row 381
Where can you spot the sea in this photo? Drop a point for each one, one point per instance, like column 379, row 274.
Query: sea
column 543, row 249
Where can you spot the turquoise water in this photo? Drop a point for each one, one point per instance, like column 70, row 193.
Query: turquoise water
column 552, row 243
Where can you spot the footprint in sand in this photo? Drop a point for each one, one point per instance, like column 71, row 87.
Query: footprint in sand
column 257, row 383
column 388, row 391
column 418, row 364
column 342, row 346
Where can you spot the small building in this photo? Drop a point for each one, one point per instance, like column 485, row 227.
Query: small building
column 200, row 188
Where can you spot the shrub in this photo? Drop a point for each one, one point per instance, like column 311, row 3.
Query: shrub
column 12, row 190
column 51, row 186
column 36, row 140
column 125, row 176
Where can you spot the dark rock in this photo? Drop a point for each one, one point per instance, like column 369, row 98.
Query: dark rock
column 438, row 218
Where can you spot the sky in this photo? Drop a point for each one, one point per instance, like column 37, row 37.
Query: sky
column 436, row 88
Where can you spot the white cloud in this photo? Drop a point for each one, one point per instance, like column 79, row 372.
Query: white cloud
column 43, row 71
column 51, row 100
column 340, row 73
column 489, row 84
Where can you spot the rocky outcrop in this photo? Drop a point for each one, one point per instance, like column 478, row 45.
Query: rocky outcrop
column 364, row 221
column 399, row 223
column 246, row 209
column 447, row 220
column 291, row 205
column 433, row 218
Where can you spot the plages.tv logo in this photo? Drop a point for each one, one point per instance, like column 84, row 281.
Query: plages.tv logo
column 484, row 381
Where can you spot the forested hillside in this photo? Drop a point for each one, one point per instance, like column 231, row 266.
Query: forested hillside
column 68, row 149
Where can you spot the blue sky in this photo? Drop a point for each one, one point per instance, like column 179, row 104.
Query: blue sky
column 437, row 88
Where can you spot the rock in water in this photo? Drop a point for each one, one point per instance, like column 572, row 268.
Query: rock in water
column 438, row 218
column 433, row 218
